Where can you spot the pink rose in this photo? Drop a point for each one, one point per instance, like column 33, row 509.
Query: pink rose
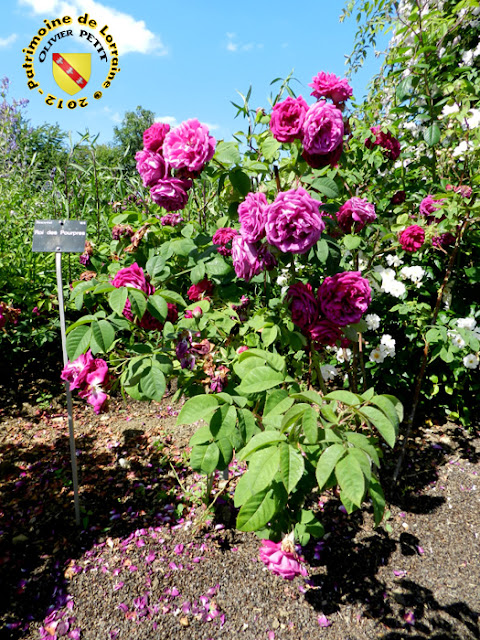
column 171, row 219
column 322, row 128
column 328, row 85
column 202, row 289
column 287, row 119
column 325, row 332
column 223, row 237
column 134, row 277
column 389, row 144
column 189, row 146
column 154, row 136
column 412, row 238
column 245, row 258
column 171, row 193
column 303, row 304
column 344, row 297
column 251, row 213
column 151, row 167
column 294, row 222
column 281, row 562
column 355, row 211
column 464, row 190
column 428, row 206
column 96, row 380
column 75, row 373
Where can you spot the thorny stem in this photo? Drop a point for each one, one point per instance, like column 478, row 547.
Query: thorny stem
column 423, row 366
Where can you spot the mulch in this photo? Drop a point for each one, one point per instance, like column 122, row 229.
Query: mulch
column 150, row 562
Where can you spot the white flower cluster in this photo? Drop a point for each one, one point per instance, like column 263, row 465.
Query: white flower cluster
column 385, row 349
column 471, row 360
column 389, row 282
column 373, row 321
column 329, row 372
column 414, row 273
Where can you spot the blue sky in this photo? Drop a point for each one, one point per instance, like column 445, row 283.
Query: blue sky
column 180, row 60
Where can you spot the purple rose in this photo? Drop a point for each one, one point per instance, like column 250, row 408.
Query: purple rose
column 325, row 332
column 294, row 222
column 287, row 119
column 171, row 193
column 355, row 211
column 322, row 128
column 328, row 85
column 303, row 304
column 266, row 259
column 389, row 144
column 132, row 276
column 319, row 160
column 344, row 297
column 443, row 240
column 428, row 206
column 251, row 213
column 245, row 258
column 189, row 146
column 154, row 136
column 151, row 166
column 171, row 219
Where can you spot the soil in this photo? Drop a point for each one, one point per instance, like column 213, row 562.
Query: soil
column 149, row 561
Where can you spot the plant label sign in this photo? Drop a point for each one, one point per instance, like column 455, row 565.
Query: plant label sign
column 59, row 236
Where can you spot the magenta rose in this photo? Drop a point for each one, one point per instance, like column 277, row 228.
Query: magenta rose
column 132, row 276
column 223, row 237
column 202, row 289
column 75, row 372
column 344, row 297
column 443, row 240
column 245, row 258
column 355, row 211
column 171, row 220
column 171, row 193
column 251, row 213
column 189, row 146
column 294, row 222
column 325, row 332
column 287, row 119
column 154, row 136
column 151, row 166
column 328, row 85
column 385, row 140
column 280, row 561
column 412, row 238
column 322, row 128
column 303, row 304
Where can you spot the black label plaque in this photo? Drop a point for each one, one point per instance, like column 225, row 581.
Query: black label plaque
column 59, row 236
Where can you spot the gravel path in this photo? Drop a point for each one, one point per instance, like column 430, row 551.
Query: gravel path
column 151, row 563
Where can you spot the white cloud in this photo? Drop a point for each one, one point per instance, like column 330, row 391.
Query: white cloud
column 171, row 120
column 6, row 42
column 233, row 45
column 130, row 35
column 113, row 115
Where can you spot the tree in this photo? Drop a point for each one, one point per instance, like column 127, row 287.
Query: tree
column 129, row 135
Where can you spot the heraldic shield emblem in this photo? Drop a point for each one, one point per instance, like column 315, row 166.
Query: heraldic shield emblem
column 71, row 71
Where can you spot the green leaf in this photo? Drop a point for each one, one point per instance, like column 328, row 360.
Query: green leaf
column 197, row 408
column 346, row 397
column 351, row 479
column 403, row 88
column 197, row 273
column 322, row 250
column 202, row 435
column 262, row 469
column 204, row 457
column 138, row 301
column 381, row 423
column 172, row 296
column 227, row 153
column 378, row 500
column 217, row 267
column 153, row 383
column 327, row 186
column 247, row 424
column 292, row 466
column 240, row 181
column 257, row 511
column 310, row 425
column 308, row 396
column 363, row 443
column 388, row 408
column 269, row 335
column 103, row 335
column 117, row 299
column 432, row 135
column 363, row 460
column 397, row 404
column 269, row 148
column 157, row 306
column 276, row 361
column 327, row 461
column 260, row 441
column 260, row 379
column 352, row 242
column 277, row 402
column 78, row 341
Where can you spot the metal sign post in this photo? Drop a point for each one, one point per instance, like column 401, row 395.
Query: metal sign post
column 63, row 236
